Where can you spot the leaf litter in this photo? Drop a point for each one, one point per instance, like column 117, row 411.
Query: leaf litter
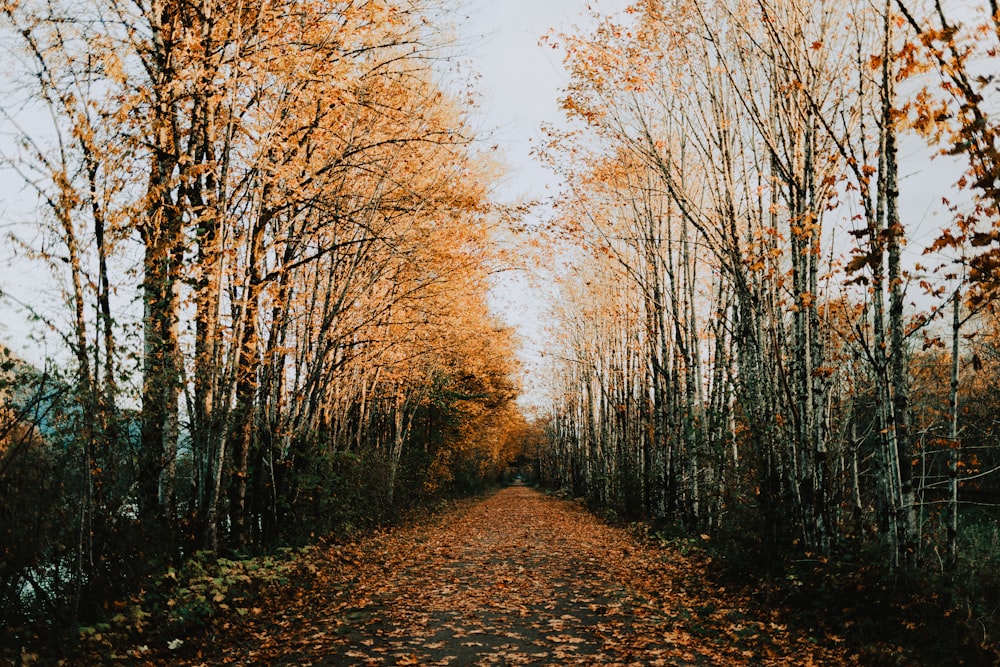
column 519, row 578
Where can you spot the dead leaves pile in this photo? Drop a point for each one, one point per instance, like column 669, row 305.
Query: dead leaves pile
column 517, row 579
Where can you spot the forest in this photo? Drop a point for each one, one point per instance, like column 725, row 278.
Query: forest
column 268, row 235
column 270, row 226
column 756, row 343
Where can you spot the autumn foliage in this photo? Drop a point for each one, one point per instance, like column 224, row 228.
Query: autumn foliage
column 272, row 231
column 273, row 227
column 743, row 290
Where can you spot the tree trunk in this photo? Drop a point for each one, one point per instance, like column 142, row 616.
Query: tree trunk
column 903, row 455
column 954, row 444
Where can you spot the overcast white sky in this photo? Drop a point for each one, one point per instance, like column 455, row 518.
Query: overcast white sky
column 520, row 79
column 520, row 83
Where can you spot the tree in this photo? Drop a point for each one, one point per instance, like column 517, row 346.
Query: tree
column 301, row 203
column 722, row 154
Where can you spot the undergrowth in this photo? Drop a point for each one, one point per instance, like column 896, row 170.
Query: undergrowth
column 188, row 600
column 884, row 618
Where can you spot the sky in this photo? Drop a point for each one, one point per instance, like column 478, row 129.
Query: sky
column 520, row 80
column 520, row 83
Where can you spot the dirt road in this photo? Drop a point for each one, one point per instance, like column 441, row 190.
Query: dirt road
column 519, row 578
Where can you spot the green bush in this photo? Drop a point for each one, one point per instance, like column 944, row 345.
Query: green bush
column 193, row 595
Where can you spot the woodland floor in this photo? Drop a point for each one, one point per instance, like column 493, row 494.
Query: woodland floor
column 518, row 578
